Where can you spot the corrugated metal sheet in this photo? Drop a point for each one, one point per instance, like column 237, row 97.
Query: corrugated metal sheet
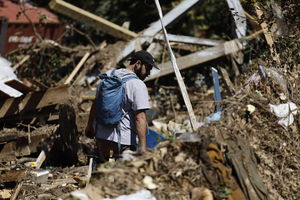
column 10, row 10
column 19, row 35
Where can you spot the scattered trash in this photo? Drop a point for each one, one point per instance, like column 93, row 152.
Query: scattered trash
column 285, row 112
column 153, row 138
column 5, row 193
column 40, row 176
column 215, row 117
column 188, row 137
column 201, row 194
column 79, row 195
column 148, row 182
column 250, row 108
column 128, row 155
column 141, row 194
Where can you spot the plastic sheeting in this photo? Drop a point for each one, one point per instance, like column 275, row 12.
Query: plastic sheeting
column 6, row 74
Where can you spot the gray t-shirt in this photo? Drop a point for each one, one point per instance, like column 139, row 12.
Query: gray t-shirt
column 136, row 98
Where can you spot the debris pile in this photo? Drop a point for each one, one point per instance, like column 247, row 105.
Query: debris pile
column 247, row 139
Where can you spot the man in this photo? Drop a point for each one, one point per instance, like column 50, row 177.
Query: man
column 133, row 124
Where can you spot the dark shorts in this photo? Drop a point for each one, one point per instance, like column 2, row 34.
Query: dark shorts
column 106, row 149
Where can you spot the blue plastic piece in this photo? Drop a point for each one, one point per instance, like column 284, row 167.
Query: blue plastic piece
column 215, row 117
column 153, row 138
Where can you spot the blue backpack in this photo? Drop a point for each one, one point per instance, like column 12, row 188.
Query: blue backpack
column 111, row 98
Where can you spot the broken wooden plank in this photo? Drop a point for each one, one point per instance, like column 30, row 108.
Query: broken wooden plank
column 189, row 40
column 180, row 81
column 267, row 34
column 34, row 100
column 188, row 61
column 41, row 115
column 16, row 143
column 7, row 91
column 21, row 62
column 39, row 161
column 239, row 17
column 17, row 191
column 174, row 14
column 229, row 85
column 197, row 58
column 18, row 85
column 15, row 135
column 11, row 175
column 77, row 68
column 90, row 19
column 7, row 151
column 241, row 156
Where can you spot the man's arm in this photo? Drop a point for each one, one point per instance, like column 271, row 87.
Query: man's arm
column 89, row 130
column 141, row 128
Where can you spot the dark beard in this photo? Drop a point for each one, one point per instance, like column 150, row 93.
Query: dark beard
column 138, row 72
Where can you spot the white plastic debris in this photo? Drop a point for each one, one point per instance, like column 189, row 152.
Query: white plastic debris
column 128, row 155
column 148, row 183
column 40, row 176
column 250, row 108
column 285, row 112
column 282, row 96
column 79, row 195
column 141, row 194
column 6, row 72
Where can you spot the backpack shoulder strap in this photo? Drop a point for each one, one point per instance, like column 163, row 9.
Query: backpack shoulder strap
column 113, row 72
column 105, row 75
column 127, row 78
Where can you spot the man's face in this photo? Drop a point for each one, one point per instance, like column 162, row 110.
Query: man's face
column 143, row 70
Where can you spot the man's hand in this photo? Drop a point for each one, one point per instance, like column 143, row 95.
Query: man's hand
column 141, row 129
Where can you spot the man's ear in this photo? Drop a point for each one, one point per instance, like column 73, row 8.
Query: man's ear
column 138, row 64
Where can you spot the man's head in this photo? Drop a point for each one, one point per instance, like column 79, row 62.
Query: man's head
column 142, row 62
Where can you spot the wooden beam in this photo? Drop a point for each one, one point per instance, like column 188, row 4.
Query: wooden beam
column 8, row 136
column 188, row 61
column 7, row 91
column 200, row 57
column 18, row 85
column 180, row 81
column 18, row 144
column 77, row 68
column 189, row 40
column 17, row 191
column 11, row 176
column 239, row 17
column 92, row 20
column 229, row 85
column 170, row 17
column 24, row 59
column 267, row 34
column 41, row 158
column 34, row 100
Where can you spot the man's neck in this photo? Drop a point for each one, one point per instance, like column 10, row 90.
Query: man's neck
column 130, row 68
